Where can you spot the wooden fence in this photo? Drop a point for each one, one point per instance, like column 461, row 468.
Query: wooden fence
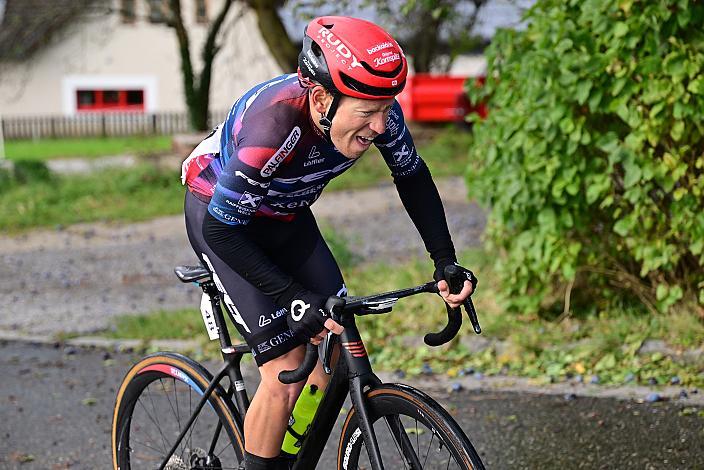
column 100, row 125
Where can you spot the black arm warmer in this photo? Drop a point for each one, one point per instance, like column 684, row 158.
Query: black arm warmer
column 422, row 202
column 234, row 246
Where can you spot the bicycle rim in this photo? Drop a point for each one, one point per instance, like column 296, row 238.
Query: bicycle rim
column 430, row 439
column 154, row 403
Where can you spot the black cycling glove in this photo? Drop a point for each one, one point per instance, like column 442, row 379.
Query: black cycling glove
column 456, row 272
column 307, row 314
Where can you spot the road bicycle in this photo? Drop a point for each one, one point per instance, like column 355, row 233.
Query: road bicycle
column 172, row 413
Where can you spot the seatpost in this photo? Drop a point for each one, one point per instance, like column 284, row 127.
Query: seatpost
column 211, row 290
column 231, row 355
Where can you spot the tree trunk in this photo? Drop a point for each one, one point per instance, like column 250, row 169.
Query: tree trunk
column 424, row 43
column 196, row 88
column 272, row 29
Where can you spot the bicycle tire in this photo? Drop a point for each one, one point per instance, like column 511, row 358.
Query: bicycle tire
column 153, row 392
column 413, row 408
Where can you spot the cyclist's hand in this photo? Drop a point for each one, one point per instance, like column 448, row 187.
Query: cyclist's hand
column 308, row 318
column 468, row 286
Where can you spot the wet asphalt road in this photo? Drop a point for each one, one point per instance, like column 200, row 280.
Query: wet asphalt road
column 56, row 410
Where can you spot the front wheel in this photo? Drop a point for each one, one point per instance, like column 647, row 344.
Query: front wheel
column 412, row 430
column 154, row 403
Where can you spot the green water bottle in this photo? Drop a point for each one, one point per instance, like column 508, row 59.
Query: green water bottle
column 300, row 419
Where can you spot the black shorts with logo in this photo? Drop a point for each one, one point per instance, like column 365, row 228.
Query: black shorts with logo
column 297, row 247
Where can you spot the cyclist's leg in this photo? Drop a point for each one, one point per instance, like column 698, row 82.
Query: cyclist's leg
column 264, row 328
column 319, row 272
column 298, row 248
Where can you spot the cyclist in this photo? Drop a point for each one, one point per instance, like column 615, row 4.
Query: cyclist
column 251, row 183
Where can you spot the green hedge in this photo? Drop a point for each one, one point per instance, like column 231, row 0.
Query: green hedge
column 592, row 157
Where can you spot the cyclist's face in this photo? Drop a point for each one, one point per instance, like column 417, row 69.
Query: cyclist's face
column 358, row 122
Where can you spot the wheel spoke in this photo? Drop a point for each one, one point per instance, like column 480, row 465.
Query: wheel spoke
column 396, row 439
column 154, row 419
column 427, row 453
column 149, row 430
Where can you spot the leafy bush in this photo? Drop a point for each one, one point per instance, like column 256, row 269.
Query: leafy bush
column 592, row 157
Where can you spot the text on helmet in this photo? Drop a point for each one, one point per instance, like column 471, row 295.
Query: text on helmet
column 333, row 42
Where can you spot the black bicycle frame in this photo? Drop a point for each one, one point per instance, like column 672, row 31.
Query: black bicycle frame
column 351, row 375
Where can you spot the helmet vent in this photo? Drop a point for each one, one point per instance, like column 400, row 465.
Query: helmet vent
column 371, row 90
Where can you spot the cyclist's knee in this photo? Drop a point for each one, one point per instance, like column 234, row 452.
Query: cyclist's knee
column 270, row 383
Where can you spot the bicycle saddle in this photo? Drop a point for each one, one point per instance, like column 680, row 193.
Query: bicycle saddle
column 191, row 273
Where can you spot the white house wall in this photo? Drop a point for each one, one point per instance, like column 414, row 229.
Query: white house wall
column 103, row 53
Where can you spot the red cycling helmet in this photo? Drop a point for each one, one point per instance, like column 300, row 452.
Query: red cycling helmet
column 353, row 57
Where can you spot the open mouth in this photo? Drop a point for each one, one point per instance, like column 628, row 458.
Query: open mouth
column 365, row 141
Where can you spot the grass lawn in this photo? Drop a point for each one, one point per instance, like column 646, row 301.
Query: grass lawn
column 604, row 347
column 87, row 147
column 33, row 197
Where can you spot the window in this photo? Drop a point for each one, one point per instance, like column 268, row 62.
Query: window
column 135, row 97
column 201, row 11
column 157, row 11
column 85, row 98
column 110, row 100
column 127, row 11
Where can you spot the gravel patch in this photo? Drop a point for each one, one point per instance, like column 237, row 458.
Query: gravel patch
column 77, row 279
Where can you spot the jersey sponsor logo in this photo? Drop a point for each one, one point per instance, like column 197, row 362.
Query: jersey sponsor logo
column 249, row 200
column 230, row 218
column 313, row 157
column 343, row 52
column 283, row 152
column 281, row 338
column 318, row 175
column 251, row 181
column 379, row 61
column 264, row 320
column 407, row 171
column 277, row 340
column 403, row 156
column 379, row 47
column 300, row 192
column 294, row 204
column 298, row 309
column 392, row 126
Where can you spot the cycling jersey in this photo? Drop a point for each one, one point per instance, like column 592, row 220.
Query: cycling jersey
column 259, row 171
column 269, row 159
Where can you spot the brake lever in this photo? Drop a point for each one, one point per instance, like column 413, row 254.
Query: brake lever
column 456, row 284
column 472, row 314
column 334, row 306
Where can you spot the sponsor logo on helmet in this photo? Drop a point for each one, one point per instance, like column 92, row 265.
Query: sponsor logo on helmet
column 312, row 58
column 343, row 53
column 283, row 152
column 378, row 61
column 309, row 66
column 379, row 47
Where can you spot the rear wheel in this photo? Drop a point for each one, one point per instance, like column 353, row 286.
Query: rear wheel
column 412, row 430
column 154, row 403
